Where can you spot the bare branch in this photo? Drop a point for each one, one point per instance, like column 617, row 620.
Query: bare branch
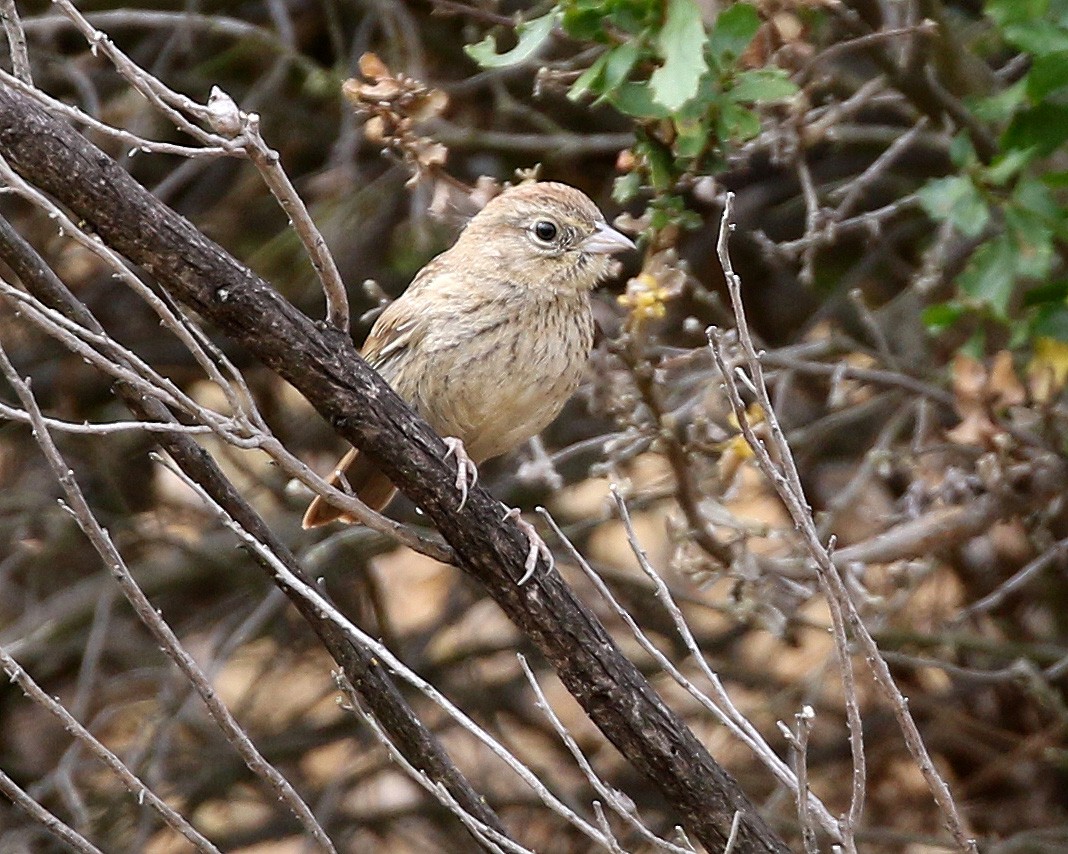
column 54, row 826
column 787, row 484
column 16, row 41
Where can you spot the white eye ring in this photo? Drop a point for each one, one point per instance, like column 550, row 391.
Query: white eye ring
column 545, row 230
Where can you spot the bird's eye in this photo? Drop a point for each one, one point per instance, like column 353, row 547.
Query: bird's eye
column 544, row 230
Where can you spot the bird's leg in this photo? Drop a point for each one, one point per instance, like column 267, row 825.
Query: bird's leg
column 465, row 467
column 537, row 544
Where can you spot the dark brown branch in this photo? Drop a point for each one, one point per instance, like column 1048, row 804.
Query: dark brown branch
column 376, row 689
column 326, row 368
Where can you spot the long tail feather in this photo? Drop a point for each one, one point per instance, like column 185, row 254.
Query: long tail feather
column 369, row 484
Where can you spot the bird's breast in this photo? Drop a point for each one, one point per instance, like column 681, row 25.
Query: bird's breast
column 501, row 370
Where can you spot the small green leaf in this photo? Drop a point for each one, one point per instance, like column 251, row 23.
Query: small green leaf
column 736, row 122
column 1007, row 166
column 660, row 161
column 626, row 187
column 1048, row 75
column 1033, row 241
column 1051, row 292
column 621, row 60
column 530, row 36
column 1055, row 180
column 1005, row 12
column 1037, row 37
column 962, row 152
column 680, row 44
column 941, row 316
column 608, row 72
column 989, row 276
column 691, row 139
column 734, row 30
column 957, row 200
column 590, row 79
column 636, row 99
column 1044, row 128
column 584, row 20
column 762, row 85
column 1002, row 106
column 1035, row 197
column 1052, row 322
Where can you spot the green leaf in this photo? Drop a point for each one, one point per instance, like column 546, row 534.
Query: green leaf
column 691, row 139
column 1005, row 12
column 1055, row 180
column 989, row 276
column 1007, row 166
column 1048, row 74
column 608, row 71
column 957, row 200
column 1035, row 197
column 584, row 20
column 962, row 151
column 1052, row 322
column 530, row 36
column 1002, row 106
column 590, row 79
column 1033, row 241
column 1051, row 292
column 734, row 30
column 626, row 187
column 736, row 122
column 1037, row 37
column 942, row 315
column 636, row 99
column 621, row 61
column 762, row 85
column 660, row 161
column 681, row 45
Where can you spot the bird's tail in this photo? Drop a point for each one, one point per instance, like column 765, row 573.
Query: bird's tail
column 369, row 485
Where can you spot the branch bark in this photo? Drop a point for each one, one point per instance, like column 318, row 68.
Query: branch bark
column 368, row 676
column 324, row 365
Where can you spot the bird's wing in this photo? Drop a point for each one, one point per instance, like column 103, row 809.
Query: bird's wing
column 396, row 330
column 404, row 322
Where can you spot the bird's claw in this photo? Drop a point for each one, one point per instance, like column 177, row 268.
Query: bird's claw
column 466, row 471
column 537, row 546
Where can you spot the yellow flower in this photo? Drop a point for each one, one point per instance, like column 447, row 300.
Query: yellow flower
column 644, row 299
column 737, row 446
column 1048, row 370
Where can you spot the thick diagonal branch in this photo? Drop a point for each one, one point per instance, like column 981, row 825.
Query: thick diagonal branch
column 374, row 686
column 324, row 366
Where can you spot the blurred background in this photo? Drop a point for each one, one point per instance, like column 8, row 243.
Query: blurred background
column 899, row 171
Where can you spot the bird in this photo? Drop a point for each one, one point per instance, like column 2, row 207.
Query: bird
column 492, row 336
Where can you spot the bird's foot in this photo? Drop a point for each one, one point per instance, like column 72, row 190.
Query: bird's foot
column 466, row 471
column 537, row 545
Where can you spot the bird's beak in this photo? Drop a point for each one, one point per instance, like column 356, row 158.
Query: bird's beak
column 606, row 241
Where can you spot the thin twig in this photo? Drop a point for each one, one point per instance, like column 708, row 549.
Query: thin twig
column 721, row 707
column 798, row 741
column 16, row 41
column 394, row 664
column 1000, row 593
column 133, row 783
column 624, row 809
column 788, row 485
column 267, row 161
column 167, row 101
column 490, row 838
column 51, row 823
column 148, row 615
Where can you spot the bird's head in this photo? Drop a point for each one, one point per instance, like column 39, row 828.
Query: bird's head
column 545, row 235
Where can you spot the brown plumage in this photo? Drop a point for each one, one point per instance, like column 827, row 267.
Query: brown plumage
column 491, row 338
